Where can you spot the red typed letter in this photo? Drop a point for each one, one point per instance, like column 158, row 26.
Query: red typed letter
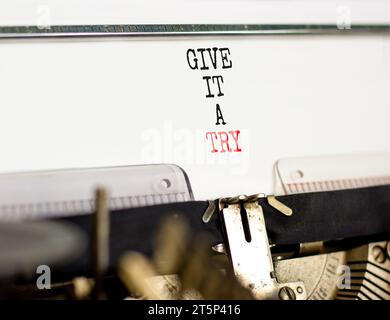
column 224, row 140
column 212, row 135
column 234, row 135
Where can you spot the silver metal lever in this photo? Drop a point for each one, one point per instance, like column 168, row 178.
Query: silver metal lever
column 251, row 257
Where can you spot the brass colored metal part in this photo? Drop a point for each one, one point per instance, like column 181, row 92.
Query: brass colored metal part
column 281, row 207
column 209, row 211
column 100, row 241
column 180, row 269
column 318, row 273
column 171, row 245
column 378, row 254
column 323, row 273
column 82, row 287
column 388, row 250
column 369, row 276
column 310, row 248
column 286, row 293
column 134, row 271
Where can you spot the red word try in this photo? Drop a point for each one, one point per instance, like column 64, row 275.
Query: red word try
column 223, row 141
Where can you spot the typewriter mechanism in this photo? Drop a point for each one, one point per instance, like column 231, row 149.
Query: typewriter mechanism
column 213, row 151
column 113, row 247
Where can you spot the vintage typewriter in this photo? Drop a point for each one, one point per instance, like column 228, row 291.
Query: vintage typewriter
column 168, row 124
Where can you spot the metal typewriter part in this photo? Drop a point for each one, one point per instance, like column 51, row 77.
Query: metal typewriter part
column 246, row 260
column 42, row 194
column 313, row 275
column 358, row 273
column 249, row 250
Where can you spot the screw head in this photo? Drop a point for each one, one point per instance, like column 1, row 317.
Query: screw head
column 379, row 254
column 299, row 290
column 286, row 293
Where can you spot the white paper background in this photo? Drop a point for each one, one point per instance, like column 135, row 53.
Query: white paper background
column 78, row 103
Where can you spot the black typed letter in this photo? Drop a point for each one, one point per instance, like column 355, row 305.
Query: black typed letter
column 204, row 67
column 219, row 80
column 194, row 59
column 209, row 95
column 224, row 55
column 219, row 115
column 213, row 59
